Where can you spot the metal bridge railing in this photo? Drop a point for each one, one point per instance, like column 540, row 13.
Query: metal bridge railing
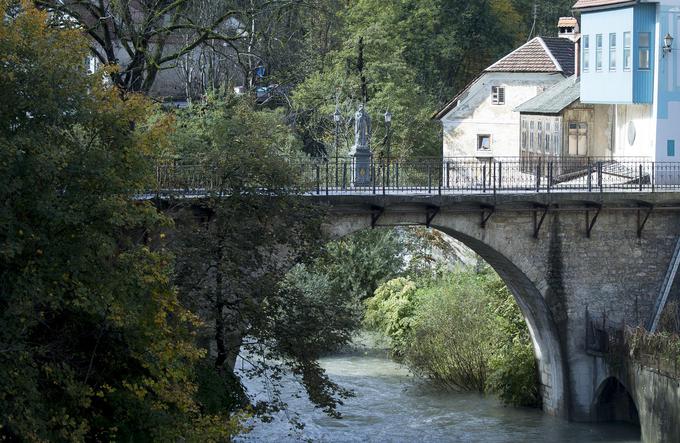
column 447, row 176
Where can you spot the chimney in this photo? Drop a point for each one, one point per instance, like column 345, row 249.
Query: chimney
column 568, row 28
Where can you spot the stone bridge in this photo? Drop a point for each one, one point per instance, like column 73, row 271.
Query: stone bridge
column 561, row 255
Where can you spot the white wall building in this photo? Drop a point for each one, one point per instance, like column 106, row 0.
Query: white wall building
column 481, row 120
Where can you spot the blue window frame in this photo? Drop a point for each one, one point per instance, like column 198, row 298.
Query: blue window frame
column 670, row 148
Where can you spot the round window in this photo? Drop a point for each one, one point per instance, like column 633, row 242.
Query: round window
column 631, row 133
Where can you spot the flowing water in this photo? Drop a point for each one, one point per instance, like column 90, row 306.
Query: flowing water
column 393, row 406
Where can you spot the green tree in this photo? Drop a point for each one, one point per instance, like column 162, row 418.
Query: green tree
column 95, row 344
column 234, row 255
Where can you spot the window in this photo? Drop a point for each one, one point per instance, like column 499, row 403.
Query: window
column 643, row 50
column 598, row 52
column 627, row 55
column 531, row 136
column 498, row 95
column 484, row 142
column 670, row 148
column 586, row 53
column 547, row 138
column 578, row 138
column 524, row 134
column 557, row 149
column 540, row 136
column 612, row 52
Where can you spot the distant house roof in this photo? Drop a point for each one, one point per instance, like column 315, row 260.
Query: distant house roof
column 585, row 4
column 541, row 54
column 554, row 99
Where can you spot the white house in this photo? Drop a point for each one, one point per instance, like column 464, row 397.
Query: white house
column 481, row 120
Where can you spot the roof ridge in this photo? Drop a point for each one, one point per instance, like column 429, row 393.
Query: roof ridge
column 550, row 54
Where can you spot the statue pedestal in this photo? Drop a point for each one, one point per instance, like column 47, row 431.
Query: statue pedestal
column 361, row 159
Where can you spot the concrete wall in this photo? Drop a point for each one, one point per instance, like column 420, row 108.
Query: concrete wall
column 554, row 277
column 476, row 115
column 657, row 398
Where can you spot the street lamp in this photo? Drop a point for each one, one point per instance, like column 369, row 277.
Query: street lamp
column 667, row 44
column 336, row 118
column 388, row 125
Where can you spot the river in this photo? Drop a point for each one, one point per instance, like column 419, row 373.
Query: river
column 393, row 406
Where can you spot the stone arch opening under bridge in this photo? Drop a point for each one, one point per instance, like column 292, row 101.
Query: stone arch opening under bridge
column 536, row 312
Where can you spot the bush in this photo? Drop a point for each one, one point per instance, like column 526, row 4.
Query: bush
column 462, row 330
column 450, row 338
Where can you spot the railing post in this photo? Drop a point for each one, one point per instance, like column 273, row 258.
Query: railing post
column 344, row 175
column 373, row 174
column 538, row 175
column 500, row 175
column 550, row 175
column 494, row 178
column 396, row 174
column 327, row 171
column 599, row 175
column 590, row 176
column 429, row 178
column 640, row 178
column 318, row 179
column 484, row 178
column 448, row 182
column 383, row 177
column 653, row 177
column 441, row 178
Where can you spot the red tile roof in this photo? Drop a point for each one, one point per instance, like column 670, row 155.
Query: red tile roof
column 541, row 54
column 584, row 4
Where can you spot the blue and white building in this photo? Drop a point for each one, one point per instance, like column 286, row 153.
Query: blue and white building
column 629, row 63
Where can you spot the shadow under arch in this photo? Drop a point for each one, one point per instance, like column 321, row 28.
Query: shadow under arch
column 542, row 328
column 614, row 403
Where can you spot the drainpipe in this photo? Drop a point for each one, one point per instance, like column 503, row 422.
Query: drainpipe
column 577, row 56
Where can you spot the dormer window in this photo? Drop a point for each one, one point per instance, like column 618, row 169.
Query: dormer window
column 498, row 95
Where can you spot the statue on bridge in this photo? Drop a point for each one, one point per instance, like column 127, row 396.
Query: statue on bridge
column 361, row 151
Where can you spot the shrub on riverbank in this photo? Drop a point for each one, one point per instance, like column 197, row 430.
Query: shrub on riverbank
column 462, row 330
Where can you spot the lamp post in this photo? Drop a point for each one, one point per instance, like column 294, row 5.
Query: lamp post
column 388, row 126
column 336, row 118
column 667, row 44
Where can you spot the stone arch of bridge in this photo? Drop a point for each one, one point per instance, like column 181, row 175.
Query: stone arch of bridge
column 542, row 327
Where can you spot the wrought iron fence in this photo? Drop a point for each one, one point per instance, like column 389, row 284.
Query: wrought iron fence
column 447, row 175
column 619, row 342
